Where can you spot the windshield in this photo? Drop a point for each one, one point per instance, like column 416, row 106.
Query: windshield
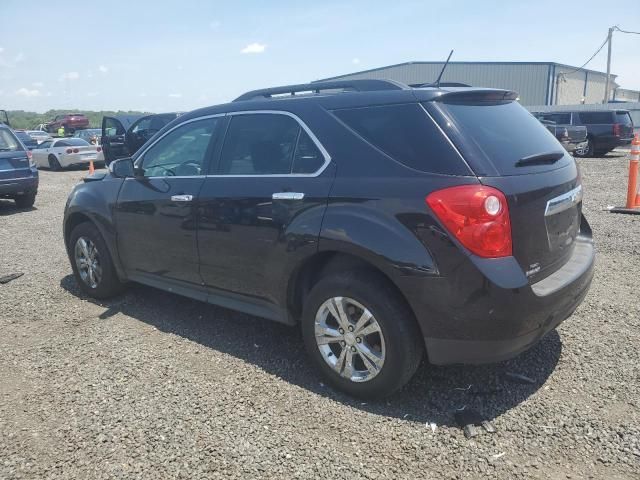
column 503, row 133
column 8, row 141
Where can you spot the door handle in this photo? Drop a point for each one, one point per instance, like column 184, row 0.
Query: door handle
column 287, row 196
column 181, row 198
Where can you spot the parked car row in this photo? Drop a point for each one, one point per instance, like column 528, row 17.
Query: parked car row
column 606, row 129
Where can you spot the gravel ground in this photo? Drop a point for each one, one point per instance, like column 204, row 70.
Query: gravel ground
column 152, row 385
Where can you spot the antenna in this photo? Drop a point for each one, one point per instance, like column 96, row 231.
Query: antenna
column 437, row 82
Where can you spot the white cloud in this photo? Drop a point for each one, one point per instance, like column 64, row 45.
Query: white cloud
column 37, row 84
column 175, row 95
column 20, row 57
column 355, row 61
column 103, row 68
column 70, row 76
column 25, row 92
column 215, row 24
column 254, row 48
column 92, row 94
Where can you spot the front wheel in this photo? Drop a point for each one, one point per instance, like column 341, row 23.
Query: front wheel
column 360, row 334
column 91, row 262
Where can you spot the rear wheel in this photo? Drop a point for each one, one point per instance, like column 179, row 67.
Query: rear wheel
column 54, row 164
column 360, row 334
column 26, row 200
column 587, row 151
column 91, row 262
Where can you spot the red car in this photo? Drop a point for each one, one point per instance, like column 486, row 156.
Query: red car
column 70, row 121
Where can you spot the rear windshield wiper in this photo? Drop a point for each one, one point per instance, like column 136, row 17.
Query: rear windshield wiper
column 540, row 159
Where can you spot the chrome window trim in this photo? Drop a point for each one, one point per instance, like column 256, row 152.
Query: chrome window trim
column 304, row 126
column 564, row 201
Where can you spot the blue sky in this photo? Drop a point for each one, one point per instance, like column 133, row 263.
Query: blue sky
column 178, row 55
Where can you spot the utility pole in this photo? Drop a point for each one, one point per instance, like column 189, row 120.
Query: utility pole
column 608, row 81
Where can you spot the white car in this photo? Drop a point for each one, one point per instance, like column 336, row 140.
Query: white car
column 59, row 153
column 38, row 135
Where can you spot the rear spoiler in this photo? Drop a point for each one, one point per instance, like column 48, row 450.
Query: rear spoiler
column 477, row 95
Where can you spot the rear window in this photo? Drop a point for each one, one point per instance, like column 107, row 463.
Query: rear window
column 593, row 118
column 624, row 118
column 24, row 136
column 406, row 134
column 504, row 133
column 8, row 141
column 72, row 142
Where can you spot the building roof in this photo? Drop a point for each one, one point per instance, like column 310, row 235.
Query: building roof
column 463, row 63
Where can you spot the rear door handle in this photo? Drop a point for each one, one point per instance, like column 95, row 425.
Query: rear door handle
column 287, row 196
column 181, row 198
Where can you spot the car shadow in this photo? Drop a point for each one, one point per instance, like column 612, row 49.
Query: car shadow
column 9, row 207
column 433, row 395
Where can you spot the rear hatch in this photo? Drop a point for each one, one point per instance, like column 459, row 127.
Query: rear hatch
column 511, row 150
column 14, row 162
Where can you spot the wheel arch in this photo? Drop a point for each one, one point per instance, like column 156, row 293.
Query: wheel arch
column 324, row 263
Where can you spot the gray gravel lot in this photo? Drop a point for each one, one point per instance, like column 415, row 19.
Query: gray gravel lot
column 152, row 385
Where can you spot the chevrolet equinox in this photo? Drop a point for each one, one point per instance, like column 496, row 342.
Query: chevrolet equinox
column 387, row 221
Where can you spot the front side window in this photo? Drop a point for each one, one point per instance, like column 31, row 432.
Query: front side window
column 45, row 144
column 112, row 127
column 181, row 152
column 259, row 144
column 594, row 118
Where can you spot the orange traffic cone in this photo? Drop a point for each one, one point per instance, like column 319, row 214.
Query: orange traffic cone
column 633, row 195
column 91, row 168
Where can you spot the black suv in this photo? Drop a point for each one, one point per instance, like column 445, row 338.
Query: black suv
column 606, row 129
column 383, row 219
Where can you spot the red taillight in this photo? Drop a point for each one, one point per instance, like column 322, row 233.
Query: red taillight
column 68, row 150
column 99, row 149
column 75, row 150
column 29, row 154
column 477, row 216
column 616, row 129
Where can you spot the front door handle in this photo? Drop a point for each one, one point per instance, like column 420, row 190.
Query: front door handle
column 181, row 198
column 287, row 196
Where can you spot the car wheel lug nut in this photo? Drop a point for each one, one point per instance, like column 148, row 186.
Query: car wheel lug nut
column 342, row 343
column 359, row 340
column 353, row 349
column 341, row 331
column 350, row 328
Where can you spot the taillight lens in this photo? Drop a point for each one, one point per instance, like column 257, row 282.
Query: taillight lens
column 32, row 163
column 477, row 216
column 99, row 149
column 75, row 150
column 616, row 129
column 68, row 150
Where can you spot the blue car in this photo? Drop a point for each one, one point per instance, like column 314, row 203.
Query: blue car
column 18, row 173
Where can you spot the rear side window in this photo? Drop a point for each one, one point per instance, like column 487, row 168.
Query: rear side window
column 268, row 144
column 406, row 134
column 504, row 133
column 624, row 118
column 8, row 142
column 592, row 118
column 558, row 118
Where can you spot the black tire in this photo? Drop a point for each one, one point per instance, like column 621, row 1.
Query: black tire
column 587, row 152
column 109, row 284
column 404, row 345
column 54, row 164
column 26, row 200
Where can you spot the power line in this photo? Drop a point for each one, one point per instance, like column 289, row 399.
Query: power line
column 625, row 31
column 590, row 58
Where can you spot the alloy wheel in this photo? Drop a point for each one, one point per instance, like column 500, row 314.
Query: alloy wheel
column 87, row 260
column 350, row 339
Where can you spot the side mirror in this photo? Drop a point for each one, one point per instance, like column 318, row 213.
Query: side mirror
column 122, row 168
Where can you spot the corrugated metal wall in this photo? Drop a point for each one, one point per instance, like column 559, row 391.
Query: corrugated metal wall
column 529, row 80
column 572, row 87
column 624, row 95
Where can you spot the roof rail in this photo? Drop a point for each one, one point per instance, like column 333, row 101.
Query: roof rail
column 354, row 85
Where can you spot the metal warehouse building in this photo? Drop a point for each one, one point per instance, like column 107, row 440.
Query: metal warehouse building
column 537, row 83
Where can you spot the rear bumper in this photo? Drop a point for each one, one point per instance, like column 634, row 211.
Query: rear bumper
column 71, row 160
column 469, row 319
column 19, row 186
